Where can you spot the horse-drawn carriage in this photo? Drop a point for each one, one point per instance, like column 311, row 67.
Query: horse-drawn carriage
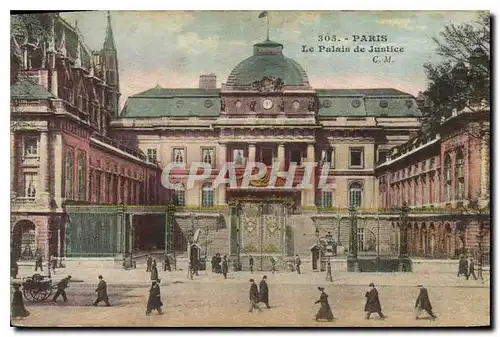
column 37, row 288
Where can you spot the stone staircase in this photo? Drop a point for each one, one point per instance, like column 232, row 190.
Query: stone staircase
column 218, row 242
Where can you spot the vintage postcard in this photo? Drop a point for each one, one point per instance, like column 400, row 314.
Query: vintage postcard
column 250, row 169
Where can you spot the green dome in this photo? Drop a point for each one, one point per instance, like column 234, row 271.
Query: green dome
column 268, row 60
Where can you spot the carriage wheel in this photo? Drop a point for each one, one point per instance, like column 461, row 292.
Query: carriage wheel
column 27, row 295
column 38, row 294
column 48, row 292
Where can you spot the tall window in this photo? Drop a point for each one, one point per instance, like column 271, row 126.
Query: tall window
column 69, row 174
column 180, row 196
column 296, row 156
column 328, row 156
column 326, row 199
column 30, row 146
column 81, row 176
column 238, row 156
column 355, row 191
column 382, row 155
column 207, row 156
column 459, row 175
column 207, row 196
column 447, row 177
column 432, row 163
column 151, row 153
column 356, row 158
column 178, row 155
column 30, row 185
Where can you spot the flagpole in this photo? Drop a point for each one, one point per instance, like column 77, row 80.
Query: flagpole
column 267, row 25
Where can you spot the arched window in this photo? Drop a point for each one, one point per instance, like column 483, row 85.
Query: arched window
column 207, row 195
column 69, row 174
column 355, row 192
column 180, row 196
column 81, row 176
column 447, row 177
column 326, row 199
column 459, row 175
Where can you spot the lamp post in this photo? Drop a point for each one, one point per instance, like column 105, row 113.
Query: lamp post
column 206, row 242
column 352, row 259
column 339, row 219
column 404, row 261
column 378, row 241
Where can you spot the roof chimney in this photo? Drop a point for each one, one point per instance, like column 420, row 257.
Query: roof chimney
column 208, row 81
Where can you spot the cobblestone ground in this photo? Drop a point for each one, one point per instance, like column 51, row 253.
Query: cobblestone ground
column 209, row 300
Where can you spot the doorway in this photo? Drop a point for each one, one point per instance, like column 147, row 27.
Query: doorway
column 266, row 155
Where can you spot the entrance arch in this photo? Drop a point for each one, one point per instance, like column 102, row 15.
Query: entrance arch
column 448, row 241
column 23, row 240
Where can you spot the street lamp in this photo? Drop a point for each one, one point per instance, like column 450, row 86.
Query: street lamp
column 378, row 241
column 403, row 248
column 339, row 219
column 352, row 259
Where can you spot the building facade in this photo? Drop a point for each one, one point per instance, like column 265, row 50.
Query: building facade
column 62, row 100
column 444, row 178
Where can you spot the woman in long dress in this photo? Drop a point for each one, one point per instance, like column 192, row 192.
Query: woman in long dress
column 154, row 271
column 325, row 312
column 18, row 310
column 154, row 300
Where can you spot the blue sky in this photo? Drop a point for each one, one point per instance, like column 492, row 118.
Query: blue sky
column 173, row 48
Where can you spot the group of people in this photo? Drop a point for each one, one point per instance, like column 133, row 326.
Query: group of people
column 373, row 305
column 220, row 265
column 466, row 268
column 259, row 295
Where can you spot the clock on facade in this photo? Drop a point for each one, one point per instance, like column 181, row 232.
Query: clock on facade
column 267, row 104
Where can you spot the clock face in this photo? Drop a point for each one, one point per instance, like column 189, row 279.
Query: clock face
column 267, row 104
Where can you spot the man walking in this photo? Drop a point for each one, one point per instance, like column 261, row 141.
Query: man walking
column 273, row 265
column 250, row 262
column 471, row 269
column 329, row 272
column 254, row 296
column 38, row 261
column 166, row 264
column 373, row 303
column 225, row 267
column 102, row 292
column 462, row 266
column 297, row 263
column 264, row 292
column 154, row 271
column 423, row 303
column 61, row 289
column 149, row 262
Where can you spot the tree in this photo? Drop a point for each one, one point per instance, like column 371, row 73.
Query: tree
column 462, row 80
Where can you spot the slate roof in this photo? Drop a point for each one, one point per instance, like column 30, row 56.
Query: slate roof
column 181, row 102
column 27, row 89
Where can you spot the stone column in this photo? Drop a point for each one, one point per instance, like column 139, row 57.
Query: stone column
column 42, row 192
column 13, row 159
column 221, row 162
column 485, row 162
column 281, row 156
column 309, row 193
column 58, row 168
column 251, row 152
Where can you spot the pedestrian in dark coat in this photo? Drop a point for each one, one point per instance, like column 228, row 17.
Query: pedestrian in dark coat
column 154, row 300
column 53, row 261
column 373, row 303
column 423, row 303
column 264, row 292
column 166, row 264
column 217, row 264
column 254, row 296
column 250, row 263
column 471, row 269
column 149, row 262
column 61, row 289
column 38, row 261
column 462, row 267
column 324, row 312
column 102, row 292
column 14, row 268
column 297, row 263
column 214, row 263
column 17, row 308
column 225, row 267
column 154, row 271
column 195, row 266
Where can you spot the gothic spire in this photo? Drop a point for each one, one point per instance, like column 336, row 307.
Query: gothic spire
column 109, row 41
